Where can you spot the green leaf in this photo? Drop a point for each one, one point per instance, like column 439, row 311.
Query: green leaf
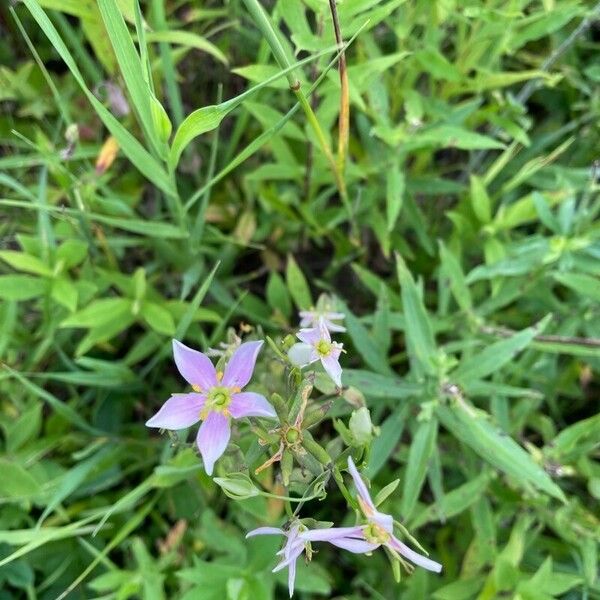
column 189, row 39
column 474, row 429
column 159, row 318
column 480, row 201
column 456, row 278
column 495, row 356
column 71, row 252
column 131, row 147
column 379, row 386
column 584, row 285
column 16, row 481
column 65, row 293
column 25, row 262
column 454, row 502
column 278, row 296
column 99, row 313
column 297, row 285
column 421, row 449
column 419, row 333
column 394, row 194
column 130, row 66
column 21, row 287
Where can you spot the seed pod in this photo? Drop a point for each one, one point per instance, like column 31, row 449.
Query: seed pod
column 287, row 464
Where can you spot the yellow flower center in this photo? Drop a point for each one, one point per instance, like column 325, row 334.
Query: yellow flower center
column 218, row 399
column 323, row 347
column 376, row 534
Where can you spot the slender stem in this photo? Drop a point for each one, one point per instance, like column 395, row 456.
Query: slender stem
column 344, row 118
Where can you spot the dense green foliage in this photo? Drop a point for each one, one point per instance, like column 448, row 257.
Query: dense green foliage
column 458, row 230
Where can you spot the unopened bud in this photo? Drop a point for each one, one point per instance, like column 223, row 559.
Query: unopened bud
column 237, row 486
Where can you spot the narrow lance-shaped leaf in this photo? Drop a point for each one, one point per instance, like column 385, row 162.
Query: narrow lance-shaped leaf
column 419, row 333
column 474, row 429
column 496, row 355
column 418, row 458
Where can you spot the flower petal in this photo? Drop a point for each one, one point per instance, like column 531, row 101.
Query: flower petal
column 418, row 559
column 302, row 354
column 310, row 336
column 213, row 437
column 330, row 533
column 353, row 545
column 178, row 412
column 195, row 367
column 241, row 365
column 361, row 488
column 250, row 404
column 291, row 577
column 334, row 327
column 264, row 531
column 333, row 368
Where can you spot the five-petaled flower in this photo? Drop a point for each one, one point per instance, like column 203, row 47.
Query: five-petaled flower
column 379, row 530
column 315, row 344
column 298, row 538
column 324, row 314
column 217, row 397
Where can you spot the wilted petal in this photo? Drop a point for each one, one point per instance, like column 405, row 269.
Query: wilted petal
column 310, row 336
column 302, row 354
column 333, row 368
column 415, row 557
column 240, row 367
column 361, row 488
column 195, row 367
column 354, row 545
column 178, row 412
column 264, row 531
column 250, row 404
column 213, row 437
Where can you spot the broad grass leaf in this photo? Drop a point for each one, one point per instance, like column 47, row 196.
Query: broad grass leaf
column 16, row 481
column 584, row 285
column 25, row 262
column 421, row 448
column 297, row 285
column 495, row 356
column 455, row 502
column 394, row 194
column 375, row 385
column 456, row 278
column 21, row 287
column 189, row 39
column 372, row 353
column 135, row 152
column 419, row 333
column 130, row 66
column 499, row 450
column 98, row 313
column 158, row 317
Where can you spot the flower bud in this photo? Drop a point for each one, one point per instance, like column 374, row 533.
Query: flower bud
column 361, row 427
column 237, row 486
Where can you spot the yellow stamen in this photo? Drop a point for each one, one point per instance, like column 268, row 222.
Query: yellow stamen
column 196, row 388
column 219, row 375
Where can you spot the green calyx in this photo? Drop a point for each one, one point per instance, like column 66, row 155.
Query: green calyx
column 292, row 436
column 375, row 534
column 218, row 399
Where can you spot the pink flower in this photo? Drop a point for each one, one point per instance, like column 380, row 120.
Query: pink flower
column 379, row 530
column 217, row 397
column 316, row 345
column 298, row 538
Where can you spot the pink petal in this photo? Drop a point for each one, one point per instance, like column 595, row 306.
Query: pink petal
column 384, row 521
column 195, row 367
column 332, row 367
column 250, row 404
column 413, row 556
column 330, row 533
column 310, row 336
column 291, row 558
column 291, row 578
column 302, row 354
column 178, row 412
column 213, row 437
column 361, row 488
column 264, row 531
column 353, row 545
column 241, row 365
